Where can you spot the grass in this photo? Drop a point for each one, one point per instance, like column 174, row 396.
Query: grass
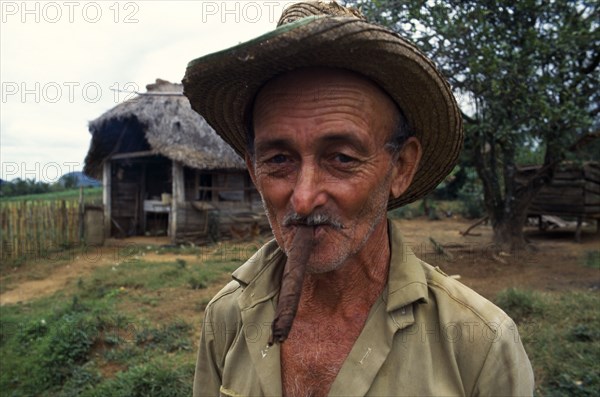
column 521, row 305
column 96, row 341
column 561, row 334
column 91, row 195
column 592, row 259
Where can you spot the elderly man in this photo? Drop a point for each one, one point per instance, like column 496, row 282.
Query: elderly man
column 340, row 120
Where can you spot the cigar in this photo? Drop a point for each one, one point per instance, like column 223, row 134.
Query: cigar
column 291, row 284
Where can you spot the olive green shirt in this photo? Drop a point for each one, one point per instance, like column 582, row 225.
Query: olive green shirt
column 426, row 335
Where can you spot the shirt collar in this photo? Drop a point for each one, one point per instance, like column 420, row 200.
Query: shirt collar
column 407, row 282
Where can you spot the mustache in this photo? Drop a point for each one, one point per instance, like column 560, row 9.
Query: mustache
column 314, row 219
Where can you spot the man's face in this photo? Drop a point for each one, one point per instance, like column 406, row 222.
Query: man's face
column 319, row 158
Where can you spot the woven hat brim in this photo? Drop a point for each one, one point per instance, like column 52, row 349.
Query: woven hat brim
column 222, row 86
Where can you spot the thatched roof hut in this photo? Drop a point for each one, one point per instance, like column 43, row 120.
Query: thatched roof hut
column 163, row 122
column 163, row 168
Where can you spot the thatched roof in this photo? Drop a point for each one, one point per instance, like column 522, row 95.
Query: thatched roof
column 161, row 121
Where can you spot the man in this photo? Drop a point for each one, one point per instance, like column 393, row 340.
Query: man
column 339, row 121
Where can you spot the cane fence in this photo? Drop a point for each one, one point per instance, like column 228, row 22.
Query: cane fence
column 38, row 228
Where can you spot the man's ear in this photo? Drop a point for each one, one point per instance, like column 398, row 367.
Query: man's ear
column 250, row 165
column 405, row 166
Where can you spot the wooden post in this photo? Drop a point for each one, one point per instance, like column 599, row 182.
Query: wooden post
column 81, row 215
column 65, row 224
column 247, row 192
column 578, row 229
column 215, row 186
column 178, row 198
column 141, row 214
column 106, row 194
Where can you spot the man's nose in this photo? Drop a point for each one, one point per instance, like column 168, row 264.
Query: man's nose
column 309, row 192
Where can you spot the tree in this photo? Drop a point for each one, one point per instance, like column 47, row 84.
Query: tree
column 527, row 76
column 69, row 181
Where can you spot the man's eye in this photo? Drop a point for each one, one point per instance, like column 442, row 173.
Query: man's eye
column 342, row 158
column 278, row 159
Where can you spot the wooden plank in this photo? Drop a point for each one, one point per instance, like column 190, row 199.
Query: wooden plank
column 549, row 208
column 566, row 210
column 591, row 199
column 546, row 198
column 178, row 191
column 592, row 210
column 567, row 183
column 592, row 180
column 120, row 212
column 132, row 155
column 226, row 189
column 568, row 174
column 562, row 191
column 106, row 197
column 191, row 220
column 554, row 220
column 592, row 172
column 592, row 187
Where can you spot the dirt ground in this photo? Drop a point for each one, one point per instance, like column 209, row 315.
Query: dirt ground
column 554, row 263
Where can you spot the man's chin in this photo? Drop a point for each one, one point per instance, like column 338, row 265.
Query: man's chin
column 320, row 264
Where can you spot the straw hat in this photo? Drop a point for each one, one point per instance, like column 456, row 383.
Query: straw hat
column 222, row 86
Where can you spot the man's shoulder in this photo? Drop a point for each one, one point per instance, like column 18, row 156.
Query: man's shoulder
column 223, row 306
column 459, row 302
column 227, row 294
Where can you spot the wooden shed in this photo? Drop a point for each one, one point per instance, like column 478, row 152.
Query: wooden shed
column 165, row 171
column 574, row 191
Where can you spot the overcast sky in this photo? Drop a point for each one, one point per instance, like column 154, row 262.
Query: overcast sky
column 61, row 61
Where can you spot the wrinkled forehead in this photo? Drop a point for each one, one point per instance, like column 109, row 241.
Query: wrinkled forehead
column 322, row 83
column 326, row 85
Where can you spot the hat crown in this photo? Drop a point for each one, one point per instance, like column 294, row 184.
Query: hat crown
column 317, row 8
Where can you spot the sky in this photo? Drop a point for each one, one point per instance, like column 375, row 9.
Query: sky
column 64, row 63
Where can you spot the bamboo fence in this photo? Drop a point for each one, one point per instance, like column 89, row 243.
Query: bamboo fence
column 37, row 228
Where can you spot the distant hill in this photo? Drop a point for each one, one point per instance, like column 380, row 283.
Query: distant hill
column 79, row 179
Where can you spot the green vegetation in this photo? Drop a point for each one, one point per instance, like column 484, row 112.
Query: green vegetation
column 91, row 195
column 102, row 339
column 592, row 259
column 561, row 333
column 520, row 305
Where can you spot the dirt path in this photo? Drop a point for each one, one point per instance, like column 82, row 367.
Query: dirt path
column 555, row 265
column 45, row 276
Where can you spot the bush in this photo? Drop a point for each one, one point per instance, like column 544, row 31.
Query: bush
column 69, row 343
column 197, row 283
column 82, row 379
column 155, row 379
column 471, row 196
column 592, row 259
column 170, row 338
column 520, row 305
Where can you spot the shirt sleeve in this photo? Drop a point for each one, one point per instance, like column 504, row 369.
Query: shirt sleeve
column 207, row 379
column 506, row 370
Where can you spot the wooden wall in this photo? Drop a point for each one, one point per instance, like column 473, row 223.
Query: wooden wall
column 136, row 179
column 574, row 191
column 231, row 219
